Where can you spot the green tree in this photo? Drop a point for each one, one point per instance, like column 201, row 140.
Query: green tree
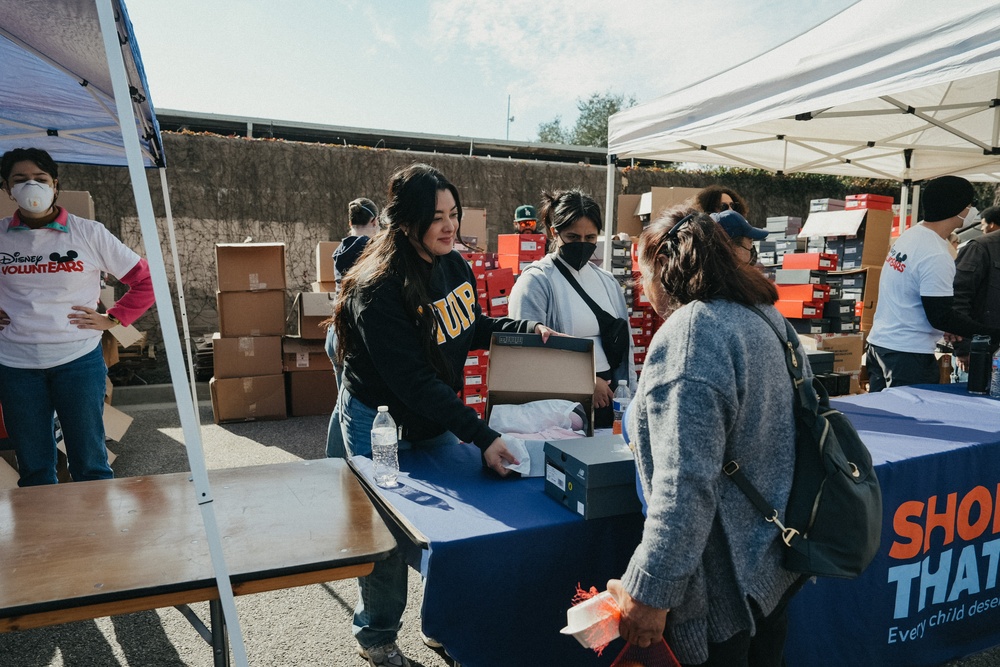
column 591, row 128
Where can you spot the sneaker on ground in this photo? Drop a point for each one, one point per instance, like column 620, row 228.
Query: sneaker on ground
column 387, row 655
column 430, row 641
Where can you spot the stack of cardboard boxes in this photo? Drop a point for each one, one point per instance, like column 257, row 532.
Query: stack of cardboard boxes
column 248, row 383
column 312, row 387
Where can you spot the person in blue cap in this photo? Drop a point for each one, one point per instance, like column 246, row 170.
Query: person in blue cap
column 741, row 233
column 525, row 220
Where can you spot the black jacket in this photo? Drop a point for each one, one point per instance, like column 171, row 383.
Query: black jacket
column 347, row 253
column 386, row 365
column 977, row 282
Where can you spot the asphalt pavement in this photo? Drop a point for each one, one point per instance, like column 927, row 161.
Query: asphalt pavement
column 309, row 626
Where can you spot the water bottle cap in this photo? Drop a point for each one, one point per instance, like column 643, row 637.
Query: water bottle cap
column 383, row 408
column 622, row 382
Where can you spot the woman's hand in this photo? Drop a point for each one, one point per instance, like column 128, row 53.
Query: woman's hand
column 640, row 624
column 4, row 320
column 496, row 454
column 88, row 318
column 546, row 332
column 603, row 393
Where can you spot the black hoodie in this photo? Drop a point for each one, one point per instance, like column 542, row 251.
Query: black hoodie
column 388, row 365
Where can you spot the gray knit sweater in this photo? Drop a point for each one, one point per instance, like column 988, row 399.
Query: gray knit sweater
column 714, row 388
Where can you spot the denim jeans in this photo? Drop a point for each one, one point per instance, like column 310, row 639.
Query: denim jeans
column 382, row 594
column 334, row 437
column 74, row 391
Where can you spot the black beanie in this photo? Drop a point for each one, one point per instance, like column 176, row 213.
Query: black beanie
column 945, row 197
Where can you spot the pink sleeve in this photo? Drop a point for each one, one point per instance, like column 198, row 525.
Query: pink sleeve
column 139, row 296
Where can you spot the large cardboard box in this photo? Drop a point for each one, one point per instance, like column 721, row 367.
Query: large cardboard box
column 250, row 267
column 302, row 354
column 594, row 477
column 251, row 313
column 311, row 393
column 77, row 202
column 308, row 312
column 324, row 262
column 248, row 399
column 657, row 200
column 628, row 220
column 523, row 369
column 870, row 225
column 474, row 226
column 246, row 356
column 847, row 349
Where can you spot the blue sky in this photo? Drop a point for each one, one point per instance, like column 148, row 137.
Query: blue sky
column 444, row 66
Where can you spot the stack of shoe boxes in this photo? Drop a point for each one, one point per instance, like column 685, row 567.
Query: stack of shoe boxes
column 643, row 320
column 499, row 283
column 474, row 390
column 248, row 383
column 481, row 262
column 516, row 251
column 803, row 291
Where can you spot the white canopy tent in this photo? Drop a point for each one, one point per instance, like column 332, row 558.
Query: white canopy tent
column 72, row 83
column 897, row 89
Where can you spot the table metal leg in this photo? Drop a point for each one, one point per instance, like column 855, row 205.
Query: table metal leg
column 220, row 636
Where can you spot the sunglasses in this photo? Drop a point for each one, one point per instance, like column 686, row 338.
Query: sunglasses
column 730, row 206
column 680, row 223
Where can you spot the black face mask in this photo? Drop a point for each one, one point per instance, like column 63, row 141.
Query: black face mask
column 577, row 254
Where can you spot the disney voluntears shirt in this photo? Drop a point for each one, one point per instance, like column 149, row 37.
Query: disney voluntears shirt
column 388, row 366
column 918, row 265
column 46, row 271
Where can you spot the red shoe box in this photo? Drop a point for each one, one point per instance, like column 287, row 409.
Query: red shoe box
column 865, row 200
column 475, row 376
column 478, row 358
column 499, row 283
column 526, row 246
column 473, row 396
column 499, row 310
column 799, row 309
column 804, row 292
column 809, row 260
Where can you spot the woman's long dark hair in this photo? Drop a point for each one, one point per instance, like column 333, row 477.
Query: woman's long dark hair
column 698, row 261
column 391, row 254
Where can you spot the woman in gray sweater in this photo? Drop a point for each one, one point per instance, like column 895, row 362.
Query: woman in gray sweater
column 708, row 572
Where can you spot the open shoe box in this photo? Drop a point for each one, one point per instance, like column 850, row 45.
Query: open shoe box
column 523, row 369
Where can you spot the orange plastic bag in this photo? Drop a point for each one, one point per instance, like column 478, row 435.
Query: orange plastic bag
column 656, row 655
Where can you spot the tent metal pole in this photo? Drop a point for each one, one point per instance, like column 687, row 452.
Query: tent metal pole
column 915, row 206
column 168, row 324
column 904, row 203
column 609, row 215
column 179, row 284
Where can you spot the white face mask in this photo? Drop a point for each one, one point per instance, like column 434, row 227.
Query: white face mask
column 33, row 196
column 971, row 216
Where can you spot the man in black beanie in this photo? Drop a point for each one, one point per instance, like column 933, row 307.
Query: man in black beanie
column 916, row 297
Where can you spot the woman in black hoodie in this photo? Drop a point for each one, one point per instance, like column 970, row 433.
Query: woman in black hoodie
column 406, row 320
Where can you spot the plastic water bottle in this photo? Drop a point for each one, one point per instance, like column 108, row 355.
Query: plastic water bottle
column 995, row 379
column 622, row 398
column 385, row 449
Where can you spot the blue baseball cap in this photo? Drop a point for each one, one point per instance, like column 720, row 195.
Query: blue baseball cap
column 737, row 226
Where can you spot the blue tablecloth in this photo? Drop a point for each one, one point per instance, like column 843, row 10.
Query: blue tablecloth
column 931, row 594
column 503, row 560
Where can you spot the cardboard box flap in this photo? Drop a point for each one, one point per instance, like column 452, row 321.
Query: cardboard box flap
column 316, row 304
column 521, row 363
column 292, row 345
column 833, row 223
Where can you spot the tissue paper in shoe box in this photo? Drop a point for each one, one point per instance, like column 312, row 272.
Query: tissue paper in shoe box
column 594, row 477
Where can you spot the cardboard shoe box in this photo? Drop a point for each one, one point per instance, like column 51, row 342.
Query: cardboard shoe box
column 308, row 311
column 251, row 313
column 248, row 399
column 594, row 477
column 847, row 349
column 324, row 262
column 301, row 355
column 246, row 356
column 252, row 267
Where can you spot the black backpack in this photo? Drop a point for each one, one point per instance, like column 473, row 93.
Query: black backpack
column 833, row 521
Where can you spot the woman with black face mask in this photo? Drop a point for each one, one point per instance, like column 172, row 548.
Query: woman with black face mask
column 543, row 291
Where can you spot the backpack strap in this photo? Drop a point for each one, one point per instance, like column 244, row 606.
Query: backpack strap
column 803, row 399
column 563, row 269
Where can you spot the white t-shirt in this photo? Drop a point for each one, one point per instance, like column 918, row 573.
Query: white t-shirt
column 43, row 273
column 919, row 264
column 582, row 318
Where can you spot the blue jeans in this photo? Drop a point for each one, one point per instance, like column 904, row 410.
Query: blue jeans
column 382, row 594
column 334, row 437
column 74, row 391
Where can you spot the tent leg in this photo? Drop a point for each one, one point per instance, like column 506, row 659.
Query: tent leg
column 609, row 215
column 168, row 324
